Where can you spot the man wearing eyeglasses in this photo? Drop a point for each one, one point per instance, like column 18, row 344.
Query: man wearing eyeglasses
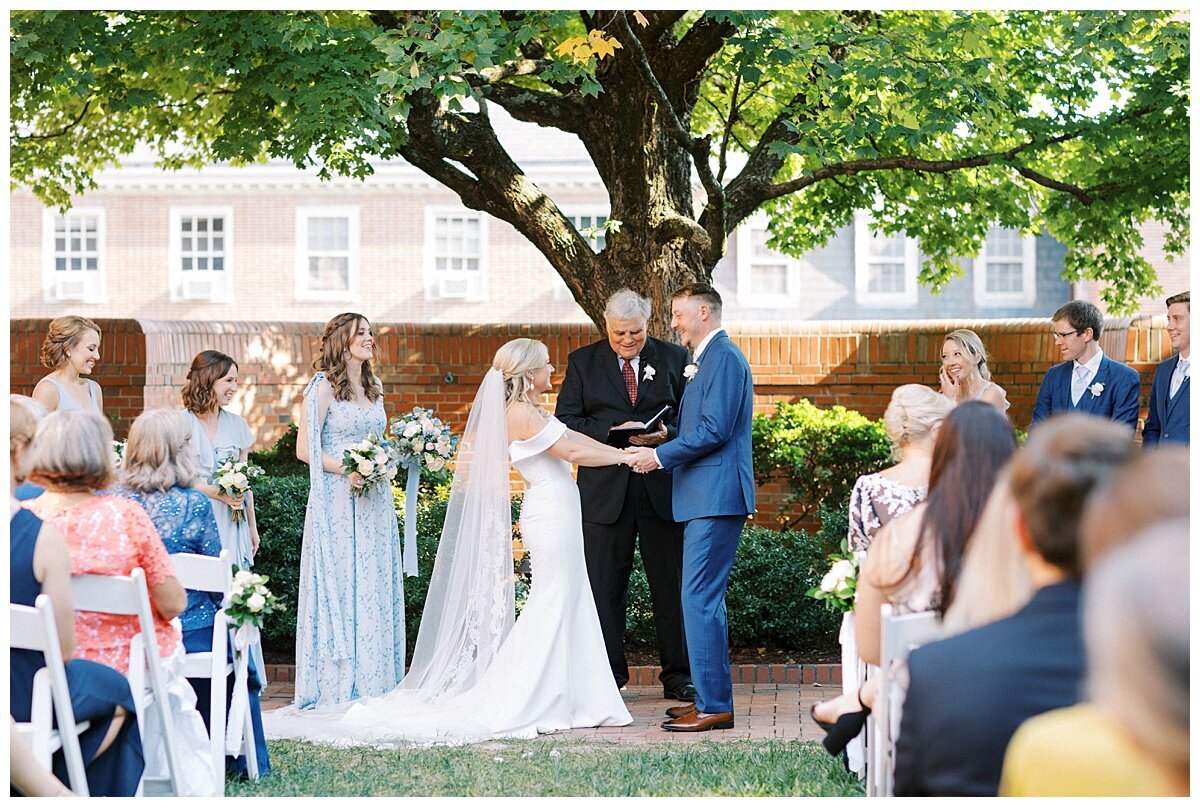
column 1086, row 381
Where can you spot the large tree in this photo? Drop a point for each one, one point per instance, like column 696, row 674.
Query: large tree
column 941, row 123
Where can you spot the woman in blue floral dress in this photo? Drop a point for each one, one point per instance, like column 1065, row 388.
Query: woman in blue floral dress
column 350, row 618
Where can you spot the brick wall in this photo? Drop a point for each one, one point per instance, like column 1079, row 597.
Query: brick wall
column 853, row 363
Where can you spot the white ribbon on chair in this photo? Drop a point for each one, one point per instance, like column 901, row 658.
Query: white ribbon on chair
column 411, row 492
column 243, row 638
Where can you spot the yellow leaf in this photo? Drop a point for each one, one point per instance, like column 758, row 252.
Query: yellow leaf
column 641, row 18
column 602, row 44
column 413, row 71
column 567, row 46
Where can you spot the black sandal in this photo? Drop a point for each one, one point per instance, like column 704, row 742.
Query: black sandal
column 839, row 734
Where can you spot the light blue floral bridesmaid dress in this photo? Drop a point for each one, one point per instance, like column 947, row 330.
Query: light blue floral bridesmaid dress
column 350, row 618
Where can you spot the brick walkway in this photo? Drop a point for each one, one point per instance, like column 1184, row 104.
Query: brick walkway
column 761, row 712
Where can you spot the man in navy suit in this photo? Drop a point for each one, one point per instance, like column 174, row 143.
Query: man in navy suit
column 968, row 694
column 713, row 492
column 1087, row 381
column 625, row 380
column 1169, row 420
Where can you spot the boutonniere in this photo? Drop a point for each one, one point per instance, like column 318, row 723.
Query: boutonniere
column 1096, row 389
column 648, row 373
column 689, row 372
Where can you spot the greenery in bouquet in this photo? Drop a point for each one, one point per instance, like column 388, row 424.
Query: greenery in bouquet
column 233, row 479
column 837, row 586
column 251, row 600
column 373, row 459
column 423, row 440
column 118, row 449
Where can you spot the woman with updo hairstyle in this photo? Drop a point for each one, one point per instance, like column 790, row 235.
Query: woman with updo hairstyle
column 964, row 374
column 911, row 421
column 158, row 469
column 350, row 630
column 219, row 436
column 71, row 349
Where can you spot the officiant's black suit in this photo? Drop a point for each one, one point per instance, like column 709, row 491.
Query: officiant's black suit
column 621, row 507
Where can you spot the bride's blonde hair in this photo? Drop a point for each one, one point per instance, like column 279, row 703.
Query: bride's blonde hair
column 514, row 359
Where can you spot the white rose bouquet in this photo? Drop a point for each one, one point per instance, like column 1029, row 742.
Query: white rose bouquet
column 839, row 582
column 422, row 440
column 233, row 479
column 251, row 600
column 118, row 449
column 373, row 458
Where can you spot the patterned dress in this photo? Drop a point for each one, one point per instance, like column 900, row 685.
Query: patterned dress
column 113, row 536
column 350, row 618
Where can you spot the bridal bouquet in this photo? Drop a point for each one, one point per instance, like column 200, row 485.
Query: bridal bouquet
column 839, row 583
column 233, row 479
column 118, row 449
column 423, row 440
column 250, row 600
column 373, row 459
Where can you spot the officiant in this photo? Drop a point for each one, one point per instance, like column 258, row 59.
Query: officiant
column 617, row 383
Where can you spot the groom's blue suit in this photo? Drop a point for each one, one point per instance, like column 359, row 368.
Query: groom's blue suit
column 712, row 491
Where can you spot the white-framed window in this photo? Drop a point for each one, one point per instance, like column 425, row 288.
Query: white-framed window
column 455, row 254
column 73, row 264
column 200, row 254
column 581, row 220
column 327, row 252
column 765, row 278
column 885, row 266
column 1006, row 269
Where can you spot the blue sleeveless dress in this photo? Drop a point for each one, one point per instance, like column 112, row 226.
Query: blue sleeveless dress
column 350, row 640
column 96, row 690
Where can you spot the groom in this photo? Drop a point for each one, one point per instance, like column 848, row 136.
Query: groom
column 713, row 492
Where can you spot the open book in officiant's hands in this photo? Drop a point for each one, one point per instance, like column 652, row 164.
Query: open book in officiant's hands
column 618, row 436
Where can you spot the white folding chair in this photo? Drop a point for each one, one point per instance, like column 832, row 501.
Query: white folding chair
column 206, row 573
column 34, row 629
column 899, row 635
column 129, row 596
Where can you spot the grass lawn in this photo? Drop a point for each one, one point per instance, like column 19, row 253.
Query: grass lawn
column 564, row 768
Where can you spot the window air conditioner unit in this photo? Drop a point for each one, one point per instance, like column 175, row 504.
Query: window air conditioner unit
column 69, row 288
column 455, row 288
column 197, row 289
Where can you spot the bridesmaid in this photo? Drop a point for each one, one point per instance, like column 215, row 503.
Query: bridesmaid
column 350, row 616
column 217, row 437
column 71, row 349
column 964, row 374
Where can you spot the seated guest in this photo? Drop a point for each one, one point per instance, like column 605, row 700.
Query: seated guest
column 26, row 775
column 159, row 466
column 27, row 490
column 911, row 420
column 1169, row 419
column 964, row 374
column 1087, row 381
column 109, row 535
column 38, row 563
column 1132, row 737
column 994, row 580
column 967, row 694
column 913, row 561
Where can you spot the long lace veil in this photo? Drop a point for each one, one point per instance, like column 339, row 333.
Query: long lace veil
column 469, row 609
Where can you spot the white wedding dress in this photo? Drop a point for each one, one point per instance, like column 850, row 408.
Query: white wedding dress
column 549, row 671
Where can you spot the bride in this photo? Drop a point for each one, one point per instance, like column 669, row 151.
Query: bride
column 477, row 675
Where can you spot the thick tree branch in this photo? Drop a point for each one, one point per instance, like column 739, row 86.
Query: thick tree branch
column 660, row 22
column 729, row 122
column 695, row 50
column 1041, row 179
column 526, row 104
column 699, row 148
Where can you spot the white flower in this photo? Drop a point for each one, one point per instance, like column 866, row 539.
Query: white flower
column 366, row 467
column 829, row 582
column 412, row 428
column 243, row 577
column 436, row 464
column 365, row 445
column 843, row 570
column 689, row 372
column 255, row 603
column 238, row 480
column 430, row 446
column 648, row 373
column 1096, row 389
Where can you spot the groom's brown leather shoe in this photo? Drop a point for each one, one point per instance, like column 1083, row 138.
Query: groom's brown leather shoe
column 680, row 711
column 700, row 721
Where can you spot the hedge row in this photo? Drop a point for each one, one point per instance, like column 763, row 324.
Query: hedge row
column 766, row 602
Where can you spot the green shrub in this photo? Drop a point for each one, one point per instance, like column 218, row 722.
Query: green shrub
column 819, row 453
column 280, row 459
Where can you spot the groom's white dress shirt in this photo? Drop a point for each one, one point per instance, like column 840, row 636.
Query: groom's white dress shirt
column 1082, row 375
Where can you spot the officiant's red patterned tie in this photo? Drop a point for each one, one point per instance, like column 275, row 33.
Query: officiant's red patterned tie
column 630, row 380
